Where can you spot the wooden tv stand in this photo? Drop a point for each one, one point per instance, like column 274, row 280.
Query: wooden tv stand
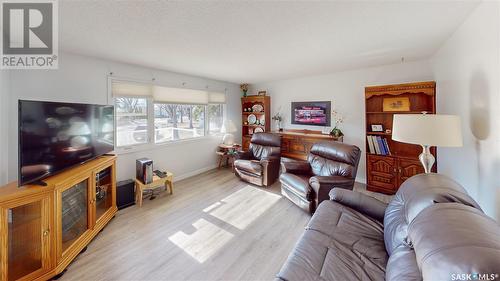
column 43, row 228
column 296, row 144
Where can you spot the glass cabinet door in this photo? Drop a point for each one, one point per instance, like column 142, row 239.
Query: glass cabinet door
column 75, row 213
column 103, row 192
column 27, row 234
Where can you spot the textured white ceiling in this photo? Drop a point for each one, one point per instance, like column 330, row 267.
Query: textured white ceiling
column 258, row 41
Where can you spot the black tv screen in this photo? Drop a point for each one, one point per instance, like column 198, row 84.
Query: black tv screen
column 315, row 113
column 54, row 136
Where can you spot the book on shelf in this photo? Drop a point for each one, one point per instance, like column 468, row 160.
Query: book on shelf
column 378, row 145
column 387, row 147
column 370, row 144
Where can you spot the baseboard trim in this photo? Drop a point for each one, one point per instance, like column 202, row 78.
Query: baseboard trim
column 361, row 180
column 194, row 173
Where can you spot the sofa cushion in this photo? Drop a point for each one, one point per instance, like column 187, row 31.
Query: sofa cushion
column 305, row 262
column 402, row 265
column 264, row 145
column 298, row 184
column 346, row 224
column 319, row 257
column 334, row 159
column 414, row 195
column 339, row 243
column 249, row 166
column 459, row 238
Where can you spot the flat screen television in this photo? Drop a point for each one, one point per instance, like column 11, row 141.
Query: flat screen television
column 315, row 113
column 54, row 136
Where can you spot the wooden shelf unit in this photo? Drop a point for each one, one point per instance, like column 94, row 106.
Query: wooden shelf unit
column 385, row 173
column 33, row 245
column 247, row 129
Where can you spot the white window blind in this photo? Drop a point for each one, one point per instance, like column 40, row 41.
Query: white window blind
column 166, row 94
column 214, row 97
column 180, row 96
column 131, row 89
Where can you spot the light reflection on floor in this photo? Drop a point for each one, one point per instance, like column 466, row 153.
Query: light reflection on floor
column 239, row 209
column 204, row 242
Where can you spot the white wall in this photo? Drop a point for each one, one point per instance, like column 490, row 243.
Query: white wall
column 346, row 91
column 4, row 101
column 467, row 71
column 85, row 80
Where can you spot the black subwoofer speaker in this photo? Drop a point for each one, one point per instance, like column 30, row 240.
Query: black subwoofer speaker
column 125, row 195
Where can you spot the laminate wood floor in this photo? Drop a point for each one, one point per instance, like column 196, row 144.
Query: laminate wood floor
column 214, row 227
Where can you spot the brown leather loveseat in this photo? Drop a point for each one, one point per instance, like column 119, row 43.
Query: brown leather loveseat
column 260, row 165
column 431, row 230
column 329, row 164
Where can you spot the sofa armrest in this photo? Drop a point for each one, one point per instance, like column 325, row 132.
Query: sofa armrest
column 270, row 169
column 270, row 159
column 296, row 167
column 360, row 202
column 244, row 155
column 323, row 184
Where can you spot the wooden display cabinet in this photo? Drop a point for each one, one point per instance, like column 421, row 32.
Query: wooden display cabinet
column 45, row 228
column 248, row 107
column 26, row 237
column 73, row 216
column 385, row 173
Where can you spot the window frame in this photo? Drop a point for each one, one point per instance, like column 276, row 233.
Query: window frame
column 151, row 144
column 125, row 147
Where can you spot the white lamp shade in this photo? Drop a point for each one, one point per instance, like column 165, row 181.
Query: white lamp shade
column 228, row 127
column 427, row 129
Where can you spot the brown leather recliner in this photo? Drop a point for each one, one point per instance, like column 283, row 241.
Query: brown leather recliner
column 260, row 165
column 329, row 164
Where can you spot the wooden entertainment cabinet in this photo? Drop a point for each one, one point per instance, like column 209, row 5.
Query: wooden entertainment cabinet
column 43, row 228
column 296, row 144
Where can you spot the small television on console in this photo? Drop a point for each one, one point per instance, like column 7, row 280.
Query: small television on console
column 54, row 136
column 315, row 113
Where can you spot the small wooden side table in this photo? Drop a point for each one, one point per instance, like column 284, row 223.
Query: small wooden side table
column 226, row 153
column 167, row 181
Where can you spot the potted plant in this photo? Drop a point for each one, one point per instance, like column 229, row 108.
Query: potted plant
column 338, row 119
column 244, row 88
column 277, row 118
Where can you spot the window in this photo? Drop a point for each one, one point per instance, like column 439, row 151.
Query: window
column 215, row 116
column 151, row 114
column 178, row 121
column 131, row 121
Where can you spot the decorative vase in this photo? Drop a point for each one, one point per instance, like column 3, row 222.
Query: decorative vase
column 244, row 93
column 278, row 125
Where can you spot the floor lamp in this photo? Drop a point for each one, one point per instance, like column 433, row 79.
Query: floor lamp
column 427, row 130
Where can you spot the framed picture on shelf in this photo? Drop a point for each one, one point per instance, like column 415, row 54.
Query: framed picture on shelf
column 396, row 104
column 377, row 128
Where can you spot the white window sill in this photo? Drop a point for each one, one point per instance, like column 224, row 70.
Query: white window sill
column 153, row 146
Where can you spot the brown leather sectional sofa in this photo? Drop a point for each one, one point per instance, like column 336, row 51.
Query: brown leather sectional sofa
column 431, row 230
